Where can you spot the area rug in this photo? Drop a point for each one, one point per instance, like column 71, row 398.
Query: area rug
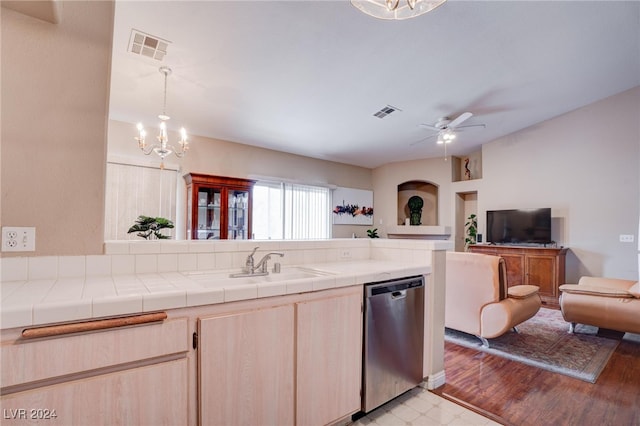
column 544, row 342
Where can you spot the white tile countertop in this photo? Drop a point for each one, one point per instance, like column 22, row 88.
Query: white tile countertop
column 44, row 301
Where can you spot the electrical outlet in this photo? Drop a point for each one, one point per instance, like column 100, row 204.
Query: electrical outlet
column 345, row 254
column 18, row 238
column 626, row 238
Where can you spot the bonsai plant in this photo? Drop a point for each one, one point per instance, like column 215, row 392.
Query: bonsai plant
column 149, row 227
column 471, row 230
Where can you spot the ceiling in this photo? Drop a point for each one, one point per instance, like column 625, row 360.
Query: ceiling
column 306, row 77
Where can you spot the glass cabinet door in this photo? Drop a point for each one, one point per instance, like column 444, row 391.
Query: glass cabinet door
column 208, row 224
column 238, row 219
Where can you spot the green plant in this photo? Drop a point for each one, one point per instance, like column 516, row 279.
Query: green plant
column 471, row 230
column 373, row 233
column 149, row 227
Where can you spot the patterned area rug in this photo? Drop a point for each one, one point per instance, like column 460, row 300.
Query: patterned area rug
column 543, row 341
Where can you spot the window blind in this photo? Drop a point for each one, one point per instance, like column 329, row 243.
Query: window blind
column 291, row 211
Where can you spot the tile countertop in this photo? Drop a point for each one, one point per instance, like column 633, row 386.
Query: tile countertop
column 38, row 302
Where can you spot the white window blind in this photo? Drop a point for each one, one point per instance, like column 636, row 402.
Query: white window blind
column 267, row 217
column 291, row 211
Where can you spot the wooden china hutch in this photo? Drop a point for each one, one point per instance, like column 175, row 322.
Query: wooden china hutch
column 218, row 207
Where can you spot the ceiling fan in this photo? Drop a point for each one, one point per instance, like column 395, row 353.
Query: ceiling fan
column 446, row 128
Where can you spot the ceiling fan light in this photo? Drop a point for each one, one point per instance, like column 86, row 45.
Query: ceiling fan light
column 394, row 10
column 392, row 5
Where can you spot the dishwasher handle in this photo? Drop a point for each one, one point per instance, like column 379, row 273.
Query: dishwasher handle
column 393, row 286
column 400, row 294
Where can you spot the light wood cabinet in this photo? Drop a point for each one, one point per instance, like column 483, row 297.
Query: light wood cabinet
column 294, row 364
column 291, row 360
column 218, row 207
column 246, row 368
column 541, row 266
column 136, row 396
column 111, row 377
column 329, row 359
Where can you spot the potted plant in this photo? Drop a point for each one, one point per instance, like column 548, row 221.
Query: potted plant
column 471, row 230
column 149, row 227
column 373, row 233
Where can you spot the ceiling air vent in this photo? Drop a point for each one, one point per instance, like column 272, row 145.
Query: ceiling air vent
column 147, row 45
column 386, row 111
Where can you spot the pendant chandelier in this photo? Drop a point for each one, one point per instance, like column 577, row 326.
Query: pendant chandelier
column 396, row 9
column 163, row 148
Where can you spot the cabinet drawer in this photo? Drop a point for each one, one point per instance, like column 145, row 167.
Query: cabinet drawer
column 26, row 361
column 146, row 396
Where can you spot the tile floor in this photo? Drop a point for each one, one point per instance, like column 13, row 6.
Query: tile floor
column 419, row 407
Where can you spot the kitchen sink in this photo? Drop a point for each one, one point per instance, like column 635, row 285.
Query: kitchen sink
column 218, row 278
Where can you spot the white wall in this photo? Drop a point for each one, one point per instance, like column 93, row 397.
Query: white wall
column 585, row 165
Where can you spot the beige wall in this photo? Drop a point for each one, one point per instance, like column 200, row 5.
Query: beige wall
column 585, row 165
column 217, row 157
column 386, row 179
column 55, row 84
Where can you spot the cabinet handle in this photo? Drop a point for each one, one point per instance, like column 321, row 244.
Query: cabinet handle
column 56, row 330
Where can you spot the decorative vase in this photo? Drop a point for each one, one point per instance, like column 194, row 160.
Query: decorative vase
column 415, row 204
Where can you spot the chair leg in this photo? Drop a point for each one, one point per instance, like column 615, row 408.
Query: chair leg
column 515, row 329
column 572, row 327
column 485, row 342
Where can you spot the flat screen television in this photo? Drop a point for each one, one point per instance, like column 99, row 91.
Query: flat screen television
column 523, row 226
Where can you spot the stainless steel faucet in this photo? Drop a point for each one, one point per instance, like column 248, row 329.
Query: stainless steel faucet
column 248, row 265
column 252, row 269
column 262, row 264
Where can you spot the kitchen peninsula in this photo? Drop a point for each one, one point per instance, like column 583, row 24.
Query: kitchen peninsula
column 282, row 337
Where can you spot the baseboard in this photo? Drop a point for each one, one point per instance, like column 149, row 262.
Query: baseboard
column 434, row 381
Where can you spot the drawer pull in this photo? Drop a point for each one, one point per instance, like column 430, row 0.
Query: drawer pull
column 56, row 330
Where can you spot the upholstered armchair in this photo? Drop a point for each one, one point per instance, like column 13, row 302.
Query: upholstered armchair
column 478, row 301
column 602, row 302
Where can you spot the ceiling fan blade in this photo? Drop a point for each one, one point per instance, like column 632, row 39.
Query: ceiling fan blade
column 462, row 117
column 468, row 126
column 422, row 140
column 430, row 127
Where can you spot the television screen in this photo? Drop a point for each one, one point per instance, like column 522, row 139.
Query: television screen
column 530, row 226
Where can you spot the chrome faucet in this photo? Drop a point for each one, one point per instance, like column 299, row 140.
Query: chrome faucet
column 262, row 264
column 252, row 269
column 248, row 264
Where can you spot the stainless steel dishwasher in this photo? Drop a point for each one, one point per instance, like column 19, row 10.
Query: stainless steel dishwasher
column 393, row 339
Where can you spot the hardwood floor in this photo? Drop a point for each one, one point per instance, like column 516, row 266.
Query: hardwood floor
column 513, row 393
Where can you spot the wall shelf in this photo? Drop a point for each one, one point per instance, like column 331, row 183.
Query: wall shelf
column 420, row 232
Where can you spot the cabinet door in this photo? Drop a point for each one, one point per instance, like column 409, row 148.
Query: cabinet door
column 515, row 268
column 208, row 217
column 329, row 359
column 238, row 217
column 541, row 272
column 151, row 395
column 246, row 368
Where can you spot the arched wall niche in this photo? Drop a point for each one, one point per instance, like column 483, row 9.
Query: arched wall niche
column 429, row 194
